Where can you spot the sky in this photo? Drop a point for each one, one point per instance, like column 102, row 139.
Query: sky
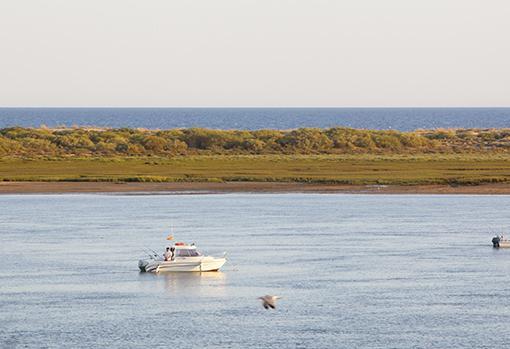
column 331, row 53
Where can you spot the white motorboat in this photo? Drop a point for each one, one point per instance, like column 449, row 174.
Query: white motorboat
column 500, row 242
column 186, row 258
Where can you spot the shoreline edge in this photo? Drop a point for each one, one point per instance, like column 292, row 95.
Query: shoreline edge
column 243, row 187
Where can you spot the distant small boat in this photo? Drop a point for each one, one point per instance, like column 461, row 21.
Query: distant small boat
column 500, row 242
column 186, row 259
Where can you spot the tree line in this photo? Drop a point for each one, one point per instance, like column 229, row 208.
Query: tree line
column 27, row 142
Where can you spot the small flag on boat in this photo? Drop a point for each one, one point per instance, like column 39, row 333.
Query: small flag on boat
column 170, row 237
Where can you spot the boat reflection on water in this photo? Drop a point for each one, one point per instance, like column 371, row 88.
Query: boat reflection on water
column 210, row 283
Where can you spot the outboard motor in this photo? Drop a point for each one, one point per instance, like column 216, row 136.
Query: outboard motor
column 142, row 265
column 495, row 242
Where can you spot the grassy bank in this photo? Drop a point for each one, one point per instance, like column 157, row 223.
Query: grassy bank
column 465, row 169
column 320, row 156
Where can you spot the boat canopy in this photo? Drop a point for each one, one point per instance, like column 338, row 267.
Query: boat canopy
column 183, row 246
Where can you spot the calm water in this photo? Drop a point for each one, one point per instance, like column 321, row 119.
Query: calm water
column 257, row 118
column 355, row 271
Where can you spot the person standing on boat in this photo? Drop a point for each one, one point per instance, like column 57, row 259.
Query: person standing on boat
column 168, row 254
column 172, row 251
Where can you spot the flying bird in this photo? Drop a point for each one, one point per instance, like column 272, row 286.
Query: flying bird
column 269, row 301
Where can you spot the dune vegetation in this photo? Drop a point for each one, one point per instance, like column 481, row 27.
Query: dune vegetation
column 335, row 155
column 33, row 142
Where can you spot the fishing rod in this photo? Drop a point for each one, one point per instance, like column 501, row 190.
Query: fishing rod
column 154, row 253
column 149, row 254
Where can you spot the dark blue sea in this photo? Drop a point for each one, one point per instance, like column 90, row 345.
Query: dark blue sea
column 404, row 119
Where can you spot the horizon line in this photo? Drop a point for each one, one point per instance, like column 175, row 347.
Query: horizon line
column 257, row 107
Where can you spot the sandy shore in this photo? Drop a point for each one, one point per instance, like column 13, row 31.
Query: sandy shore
column 232, row 187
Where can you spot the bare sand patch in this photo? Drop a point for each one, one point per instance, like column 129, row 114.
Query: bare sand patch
column 233, row 187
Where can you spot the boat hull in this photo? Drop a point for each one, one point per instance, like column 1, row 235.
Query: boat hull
column 201, row 265
column 504, row 244
column 205, row 265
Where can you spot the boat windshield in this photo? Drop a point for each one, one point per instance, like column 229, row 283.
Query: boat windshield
column 187, row 253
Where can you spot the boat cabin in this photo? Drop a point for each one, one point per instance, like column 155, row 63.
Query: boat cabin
column 184, row 250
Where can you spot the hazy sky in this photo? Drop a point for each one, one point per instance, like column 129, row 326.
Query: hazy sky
column 255, row 53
